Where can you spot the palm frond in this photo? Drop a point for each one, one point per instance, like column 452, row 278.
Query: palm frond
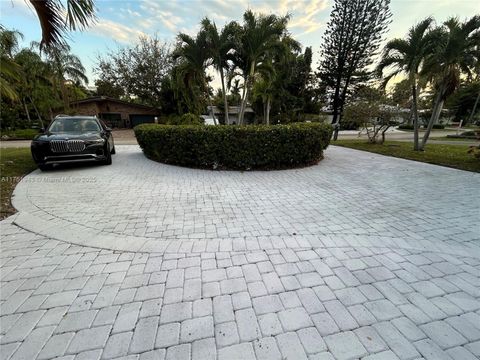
column 55, row 19
column 51, row 22
column 80, row 13
column 7, row 90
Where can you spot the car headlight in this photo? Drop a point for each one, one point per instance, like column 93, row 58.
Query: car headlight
column 96, row 142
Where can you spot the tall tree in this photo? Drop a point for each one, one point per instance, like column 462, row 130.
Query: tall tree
column 66, row 68
column 221, row 44
column 57, row 16
column 281, row 77
column 353, row 36
column 35, row 86
column 457, row 54
column 406, row 56
column 195, row 57
column 137, row 71
column 464, row 103
column 10, row 71
column 260, row 34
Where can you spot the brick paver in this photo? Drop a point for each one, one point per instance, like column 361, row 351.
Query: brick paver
column 161, row 262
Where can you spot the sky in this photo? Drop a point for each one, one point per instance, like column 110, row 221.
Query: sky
column 121, row 22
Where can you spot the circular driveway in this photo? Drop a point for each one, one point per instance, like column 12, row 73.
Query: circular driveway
column 361, row 256
column 352, row 198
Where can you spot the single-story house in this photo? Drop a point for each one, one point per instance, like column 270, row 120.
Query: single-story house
column 115, row 113
column 233, row 113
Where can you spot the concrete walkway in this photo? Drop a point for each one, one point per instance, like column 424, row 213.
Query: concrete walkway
column 362, row 256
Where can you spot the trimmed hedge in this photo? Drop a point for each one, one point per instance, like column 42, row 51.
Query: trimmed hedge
column 235, row 147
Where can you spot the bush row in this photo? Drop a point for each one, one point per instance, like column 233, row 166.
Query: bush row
column 235, row 147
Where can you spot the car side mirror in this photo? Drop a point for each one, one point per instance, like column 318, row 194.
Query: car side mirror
column 41, row 130
column 107, row 129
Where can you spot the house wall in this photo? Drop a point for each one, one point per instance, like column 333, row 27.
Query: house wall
column 97, row 108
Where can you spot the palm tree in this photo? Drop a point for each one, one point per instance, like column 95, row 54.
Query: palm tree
column 273, row 72
column 35, row 84
column 65, row 68
column 195, row 57
column 259, row 35
column 50, row 13
column 457, row 54
column 221, row 44
column 264, row 88
column 406, row 56
column 10, row 71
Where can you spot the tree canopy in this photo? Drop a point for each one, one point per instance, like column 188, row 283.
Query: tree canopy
column 353, row 36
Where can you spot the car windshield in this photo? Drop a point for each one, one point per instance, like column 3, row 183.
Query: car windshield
column 74, row 125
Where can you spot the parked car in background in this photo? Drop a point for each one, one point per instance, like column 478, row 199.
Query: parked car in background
column 73, row 139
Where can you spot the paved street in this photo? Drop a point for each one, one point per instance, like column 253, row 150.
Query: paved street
column 362, row 256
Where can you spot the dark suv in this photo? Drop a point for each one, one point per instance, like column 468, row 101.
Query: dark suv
column 73, row 139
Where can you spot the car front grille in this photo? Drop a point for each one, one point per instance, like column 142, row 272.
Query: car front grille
column 63, row 146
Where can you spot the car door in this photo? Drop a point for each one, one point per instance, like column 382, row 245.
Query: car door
column 108, row 133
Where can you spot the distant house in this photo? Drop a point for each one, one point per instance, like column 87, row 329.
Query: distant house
column 114, row 112
column 233, row 113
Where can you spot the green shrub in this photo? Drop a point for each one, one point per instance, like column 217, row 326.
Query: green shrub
column 347, row 124
column 405, row 127
column 438, row 126
column 235, row 147
column 185, row 119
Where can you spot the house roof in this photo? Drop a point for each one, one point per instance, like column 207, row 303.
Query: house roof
column 231, row 110
column 96, row 99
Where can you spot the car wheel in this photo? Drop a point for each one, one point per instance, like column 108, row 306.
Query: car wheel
column 108, row 160
column 113, row 152
column 44, row 167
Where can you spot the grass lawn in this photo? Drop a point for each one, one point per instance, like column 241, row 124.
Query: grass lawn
column 14, row 163
column 439, row 154
column 466, row 141
column 20, row 134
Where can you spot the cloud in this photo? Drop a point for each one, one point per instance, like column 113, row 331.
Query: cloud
column 307, row 15
column 16, row 7
column 175, row 15
column 115, row 31
column 160, row 13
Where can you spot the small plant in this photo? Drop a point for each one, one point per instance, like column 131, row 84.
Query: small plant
column 405, row 127
column 438, row 126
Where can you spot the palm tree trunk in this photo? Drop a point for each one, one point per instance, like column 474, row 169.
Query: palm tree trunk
column 36, row 110
column 415, row 117
column 209, row 99
column 227, row 119
column 410, row 115
column 437, row 109
column 63, row 90
column 267, row 120
column 246, row 88
column 242, row 103
column 470, row 118
column 264, row 108
column 26, row 110
column 211, row 109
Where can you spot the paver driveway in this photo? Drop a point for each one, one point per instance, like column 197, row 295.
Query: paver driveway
column 360, row 256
